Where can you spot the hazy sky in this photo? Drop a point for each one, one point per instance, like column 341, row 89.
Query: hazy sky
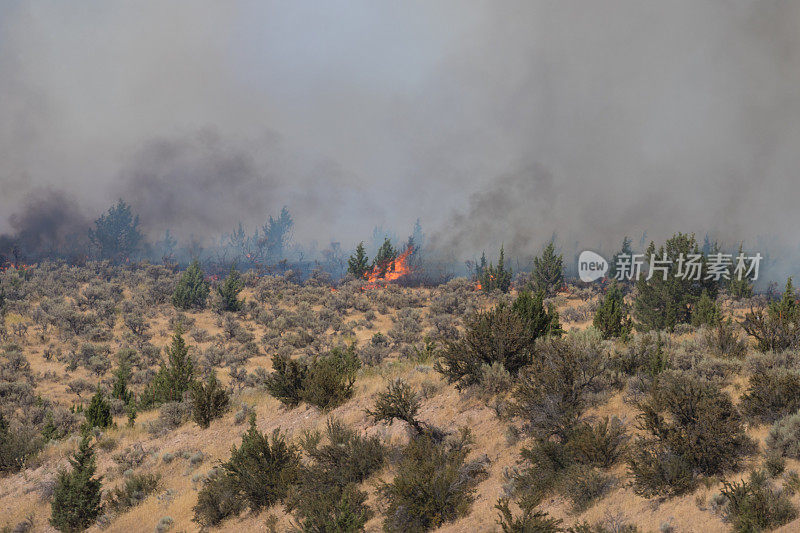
column 488, row 120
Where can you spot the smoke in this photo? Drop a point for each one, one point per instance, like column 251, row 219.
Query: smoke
column 492, row 122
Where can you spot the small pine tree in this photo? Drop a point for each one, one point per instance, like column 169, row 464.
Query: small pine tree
column 209, row 401
column 384, row 258
column 624, row 250
column 705, row 311
column 539, row 320
column 612, row 318
column 495, row 278
column 192, row 290
column 229, row 291
column 548, row 271
column 98, row 414
column 740, row 288
column 76, row 498
column 122, row 377
column 358, row 264
column 174, row 378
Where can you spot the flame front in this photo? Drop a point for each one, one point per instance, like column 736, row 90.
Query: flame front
column 393, row 271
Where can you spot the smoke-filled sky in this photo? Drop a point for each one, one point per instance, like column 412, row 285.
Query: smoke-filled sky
column 490, row 121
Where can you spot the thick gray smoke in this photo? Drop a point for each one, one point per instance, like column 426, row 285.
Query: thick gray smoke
column 491, row 121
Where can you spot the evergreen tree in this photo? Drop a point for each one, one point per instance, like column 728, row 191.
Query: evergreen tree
column 98, row 414
column 612, row 318
column 116, row 233
column 740, row 288
column 496, row 278
column 277, row 233
column 358, row 264
column 666, row 299
column 624, row 250
column 122, row 377
column 705, row 311
column 540, row 321
column 229, row 291
column 384, row 258
column 192, row 289
column 548, row 271
column 174, row 378
column 76, row 498
column 209, row 401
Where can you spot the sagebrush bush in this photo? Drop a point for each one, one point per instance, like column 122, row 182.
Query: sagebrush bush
column 772, row 394
column 756, row 505
column 601, row 444
column 584, row 485
column 17, row 445
column 133, row 491
column 434, row 485
column 689, row 428
column 784, row 436
column 530, row 521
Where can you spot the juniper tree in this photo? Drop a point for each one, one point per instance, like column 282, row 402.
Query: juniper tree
column 667, row 298
column 209, row 401
column 548, row 271
column 76, row 497
column 385, row 256
column 119, row 389
column 740, row 288
column 173, row 378
column 229, row 291
column 625, row 250
column 496, row 278
column 705, row 311
column 779, row 328
column 541, row 321
column 116, row 233
column 192, row 289
column 98, row 414
column 611, row 318
column 358, row 264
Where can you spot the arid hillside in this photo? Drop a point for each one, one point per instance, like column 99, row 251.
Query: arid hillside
column 397, row 408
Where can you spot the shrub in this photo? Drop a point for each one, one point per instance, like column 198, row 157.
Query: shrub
column 133, row 491
column 434, row 485
column 209, row 401
column 286, row 381
column 398, row 402
column 17, row 445
column 258, row 475
column 330, row 378
column 784, row 436
column 530, row 521
column 772, row 394
column 755, row 505
column 325, row 497
column 551, row 394
column 496, row 336
column 602, row 444
column 76, row 497
column 98, row 414
column 691, row 428
column 192, row 290
column 583, row 485
column 779, row 328
column 325, row 382
column 723, row 339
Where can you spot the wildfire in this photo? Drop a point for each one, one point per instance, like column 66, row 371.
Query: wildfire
column 392, row 271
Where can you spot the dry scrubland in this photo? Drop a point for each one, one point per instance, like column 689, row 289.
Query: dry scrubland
column 65, row 326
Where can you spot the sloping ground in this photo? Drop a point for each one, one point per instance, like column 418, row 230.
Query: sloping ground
column 184, row 455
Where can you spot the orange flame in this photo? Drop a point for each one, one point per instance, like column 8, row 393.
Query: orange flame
column 395, row 270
